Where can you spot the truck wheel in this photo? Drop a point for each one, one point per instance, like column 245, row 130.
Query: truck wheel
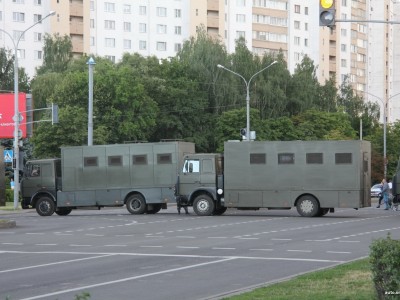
column 220, row 211
column 203, row 205
column 63, row 211
column 155, row 209
column 308, row 206
column 136, row 204
column 45, row 206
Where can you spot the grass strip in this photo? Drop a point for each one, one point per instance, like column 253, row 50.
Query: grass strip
column 352, row 281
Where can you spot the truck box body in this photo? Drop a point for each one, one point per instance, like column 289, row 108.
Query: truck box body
column 313, row 176
column 275, row 174
column 107, row 175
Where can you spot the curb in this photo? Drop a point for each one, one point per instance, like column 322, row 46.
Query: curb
column 7, row 224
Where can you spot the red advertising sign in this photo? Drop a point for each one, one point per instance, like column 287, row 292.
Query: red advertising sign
column 7, row 113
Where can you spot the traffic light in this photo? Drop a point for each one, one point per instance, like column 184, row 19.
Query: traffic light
column 243, row 132
column 327, row 13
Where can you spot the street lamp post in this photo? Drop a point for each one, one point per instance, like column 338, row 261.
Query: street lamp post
column 91, row 64
column 384, row 128
column 17, row 116
column 247, row 94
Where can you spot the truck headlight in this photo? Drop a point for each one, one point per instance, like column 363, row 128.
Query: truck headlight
column 220, row 191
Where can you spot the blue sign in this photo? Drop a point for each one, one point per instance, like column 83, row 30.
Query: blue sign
column 8, row 156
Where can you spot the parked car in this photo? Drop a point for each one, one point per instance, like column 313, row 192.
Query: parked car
column 376, row 190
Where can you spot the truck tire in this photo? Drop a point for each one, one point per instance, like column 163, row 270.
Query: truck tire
column 203, row 205
column 63, row 211
column 136, row 204
column 308, row 206
column 45, row 206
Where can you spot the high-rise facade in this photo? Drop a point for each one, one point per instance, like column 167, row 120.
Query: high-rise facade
column 362, row 53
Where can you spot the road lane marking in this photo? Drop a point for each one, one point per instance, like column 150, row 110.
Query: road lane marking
column 126, row 279
column 14, row 244
column 223, row 248
column 261, row 249
column 35, row 233
column 281, row 239
column 338, row 252
column 79, row 245
column 151, row 246
column 294, row 250
column 56, row 263
column 186, row 237
column 46, row 244
column 116, row 245
column 187, row 247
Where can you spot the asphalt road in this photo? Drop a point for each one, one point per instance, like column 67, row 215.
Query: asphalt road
column 114, row 255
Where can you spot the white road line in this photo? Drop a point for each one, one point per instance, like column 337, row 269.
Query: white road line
column 186, row 237
column 261, row 249
column 115, row 245
column 338, row 252
column 55, row 263
column 281, row 239
column 187, row 247
column 153, row 236
column 63, row 233
column 93, row 234
column 15, row 244
column 151, row 246
column 305, row 251
column 217, row 237
column 46, row 244
column 349, row 241
column 35, row 233
column 222, row 248
column 247, row 238
column 125, row 235
column 126, row 279
column 77, row 245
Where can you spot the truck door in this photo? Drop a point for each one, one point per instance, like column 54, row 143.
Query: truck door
column 196, row 173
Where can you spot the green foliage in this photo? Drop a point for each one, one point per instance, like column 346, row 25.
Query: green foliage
column 82, row 296
column 7, row 73
column 385, row 266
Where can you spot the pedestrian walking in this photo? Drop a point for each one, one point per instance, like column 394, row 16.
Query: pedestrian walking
column 385, row 193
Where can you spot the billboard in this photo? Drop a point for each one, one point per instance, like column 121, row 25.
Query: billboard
column 7, row 114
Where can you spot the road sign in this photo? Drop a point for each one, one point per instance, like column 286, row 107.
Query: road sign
column 8, row 156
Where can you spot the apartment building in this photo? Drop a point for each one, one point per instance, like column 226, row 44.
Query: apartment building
column 109, row 28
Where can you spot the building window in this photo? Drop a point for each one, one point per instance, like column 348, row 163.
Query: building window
column 297, row 40
column 109, row 7
column 343, row 63
column 1, row 17
column 110, row 58
column 142, row 45
column 161, row 46
column 37, row 37
column 127, row 44
column 306, row 26
column 18, row 35
column 343, row 32
column 36, row 18
column 91, row 5
column 19, row 1
column 178, row 47
column 306, row 10
column 178, row 30
column 127, row 9
column 38, row 2
column 92, row 41
column 127, row 26
column 21, row 53
column 110, row 43
column 142, row 10
column 241, row 3
column 296, row 24
column 109, row 25
column 343, row 47
column 142, row 27
column 305, row 42
column 178, row 13
column 297, row 9
column 161, row 11
column 240, row 34
column 161, row 29
column 91, row 23
column 240, row 18
column 18, row 17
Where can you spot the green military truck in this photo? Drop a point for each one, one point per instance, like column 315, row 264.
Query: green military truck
column 141, row 176
column 314, row 176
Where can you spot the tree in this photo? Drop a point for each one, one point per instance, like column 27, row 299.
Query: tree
column 57, row 53
column 7, row 73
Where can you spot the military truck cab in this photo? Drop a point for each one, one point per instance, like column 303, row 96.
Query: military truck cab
column 39, row 185
column 200, row 183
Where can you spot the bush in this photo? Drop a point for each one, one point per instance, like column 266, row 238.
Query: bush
column 9, row 195
column 385, row 267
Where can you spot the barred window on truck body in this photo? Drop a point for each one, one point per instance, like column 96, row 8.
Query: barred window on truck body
column 139, row 159
column 286, row 158
column 90, row 161
column 343, row 158
column 314, row 158
column 115, row 160
column 164, row 158
column 258, row 158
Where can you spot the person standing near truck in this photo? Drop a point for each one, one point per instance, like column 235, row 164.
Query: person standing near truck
column 385, row 193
